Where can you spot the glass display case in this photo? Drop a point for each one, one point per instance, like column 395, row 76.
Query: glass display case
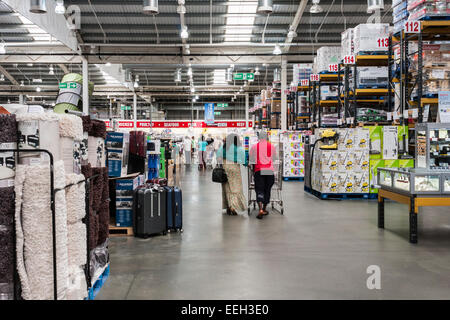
column 414, row 181
column 433, row 146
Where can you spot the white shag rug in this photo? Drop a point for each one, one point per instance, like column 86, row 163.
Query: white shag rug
column 34, row 232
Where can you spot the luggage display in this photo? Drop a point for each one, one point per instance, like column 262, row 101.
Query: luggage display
column 174, row 209
column 160, row 181
column 149, row 211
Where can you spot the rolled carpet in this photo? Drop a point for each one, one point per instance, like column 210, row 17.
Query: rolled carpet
column 93, row 230
column 34, row 239
column 70, row 126
column 75, row 198
column 76, row 244
column 6, row 236
column 87, row 124
column 7, row 206
column 98, row 129
column 77, row 288
column 8, row 128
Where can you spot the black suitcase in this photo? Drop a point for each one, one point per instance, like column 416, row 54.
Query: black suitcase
column 149, row 211
column 174, row 209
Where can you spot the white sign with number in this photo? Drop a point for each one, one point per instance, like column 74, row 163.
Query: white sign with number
column 314, row 77
column 383, row 43
column 349, row 60
column 333, row 67
column 304, row 82
column 412, row 27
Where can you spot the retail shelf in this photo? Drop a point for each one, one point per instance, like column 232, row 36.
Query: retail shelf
column 326, row 103
column 329, row 77
column 303, row 88
column 303, row 117
column 425, row 101
column 372, row 92
column 372, row 60
column 431, row 29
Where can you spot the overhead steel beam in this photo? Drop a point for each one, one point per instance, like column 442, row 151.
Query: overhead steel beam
column 64, row 68
column 295, row 22
column 54, row 24
column 8, row 75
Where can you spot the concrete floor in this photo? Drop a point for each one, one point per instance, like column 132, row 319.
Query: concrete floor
column 317, row 250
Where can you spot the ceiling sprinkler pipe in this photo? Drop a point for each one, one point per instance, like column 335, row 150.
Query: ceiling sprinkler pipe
column 150, row 7
column 38, row 6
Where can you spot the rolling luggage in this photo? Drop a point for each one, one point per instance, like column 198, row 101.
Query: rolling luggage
column 161, row 181
column 150, row 211
column 174, row 209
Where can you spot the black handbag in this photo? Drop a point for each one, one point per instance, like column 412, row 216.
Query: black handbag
column 219, row 175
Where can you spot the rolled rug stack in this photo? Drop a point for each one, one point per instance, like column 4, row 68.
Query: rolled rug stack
column 71, row 136
column 33, row 217
column 8, row 139
column 93, row 217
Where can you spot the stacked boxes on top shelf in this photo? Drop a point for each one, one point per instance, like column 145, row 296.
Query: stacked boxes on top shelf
column 420, row 9
column 345, row 170
column 293, row 154
column 327, row 56
column 368, row 38
column 400, row 14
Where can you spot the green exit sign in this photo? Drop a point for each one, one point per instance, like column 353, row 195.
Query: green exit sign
column 244, row 76
column 217, row 113
column 125, row 108
column 70, row 85
column 222, row 105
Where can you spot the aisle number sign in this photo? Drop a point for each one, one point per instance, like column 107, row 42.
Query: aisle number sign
column 349, row 60
column 68, row 85
column 304, row 82
column 383, row 43
column 314, row 77
column 412, row 27
column 333, row 67
column 244, row 76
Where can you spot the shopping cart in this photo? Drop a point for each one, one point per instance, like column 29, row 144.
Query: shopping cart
column 276, row 200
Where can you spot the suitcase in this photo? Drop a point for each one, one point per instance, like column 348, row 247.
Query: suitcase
column 149, row 211
column 174, row 209
column 160, row 181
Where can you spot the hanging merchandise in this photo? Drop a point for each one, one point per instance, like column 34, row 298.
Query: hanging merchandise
column 71, row 93
column 34, row 239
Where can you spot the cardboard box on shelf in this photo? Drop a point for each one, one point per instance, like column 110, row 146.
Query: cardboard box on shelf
column 361, row 160
column 366, row 37
column 275, row 106
column 117, row 144
column 125, row 187
column 375, row 141
column 390, row 142
column 406, row 163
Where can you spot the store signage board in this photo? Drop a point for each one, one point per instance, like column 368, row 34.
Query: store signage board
column 68, row 85
column 412, row 27
column 444, row 107
column 222, row 105
column 209, row 113
column 383, row 43
column 244, row 76
column 349, row 59
column 142, row 124
column 333, row 67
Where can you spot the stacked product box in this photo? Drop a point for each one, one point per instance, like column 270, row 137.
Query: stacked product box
column 329, row 92
column 125, row 187
column 293, row 154
column 301, row 71
column 419, row 9
column 400, row 14
column 367, row 38
column 117, row 145
column 327, row 56
column 386, row 143
column 369, row 77
column 345, row 170
column 347, row 42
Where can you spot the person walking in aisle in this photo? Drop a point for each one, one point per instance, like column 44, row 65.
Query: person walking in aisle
column 202, row 153
column 232, row 156
column 262, row 156
column 187, row 146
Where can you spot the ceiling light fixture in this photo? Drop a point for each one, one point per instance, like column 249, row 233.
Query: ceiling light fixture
column 150, row 7
column 189, row 72
column 21, row 83
column 184, row 33
column 292, row 34
column 257, row 73
column 315, row 8
column 2, row 48
column 373, row 5
column 192, row 90
column 38, row 6
column 265, row 6
column 2, row 77
column 60, row 9
column 177, row 76
column 277, row 49
column 51, row 71
column 38, row 89
column 108, row 64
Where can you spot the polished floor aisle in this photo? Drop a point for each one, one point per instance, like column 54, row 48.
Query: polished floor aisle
column 317, row 250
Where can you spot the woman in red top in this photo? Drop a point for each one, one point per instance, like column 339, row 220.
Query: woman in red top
column 262, row 156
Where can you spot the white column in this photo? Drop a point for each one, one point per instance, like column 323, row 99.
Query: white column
column 85, row 87
column 283, row 94
column 246, row 110
column 135, row 109
column 21, row 99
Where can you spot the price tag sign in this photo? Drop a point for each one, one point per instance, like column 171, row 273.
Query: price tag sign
column 339, row 122
column 412, row 27
column 396, row 115
column 333, row 67
column 405, row 114
column 389, row 116
column 349, row 60
column 304, row 82
column 383, row 43
column 314, row 77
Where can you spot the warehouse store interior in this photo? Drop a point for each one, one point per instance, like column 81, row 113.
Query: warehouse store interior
column 224, row 149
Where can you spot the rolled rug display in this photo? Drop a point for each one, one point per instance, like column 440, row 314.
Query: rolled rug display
column 77, row 287
column 84, row 147
column 6, row 243
column 96, row 144
column 93, row 217
column 71, row 136
column 71, row 93
column 38, row 131
column 8, row 140
column 33, row 217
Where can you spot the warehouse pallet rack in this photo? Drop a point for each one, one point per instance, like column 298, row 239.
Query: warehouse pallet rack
column 317, row 104
column 352, row 97
column 53, row 191
column 304, row 117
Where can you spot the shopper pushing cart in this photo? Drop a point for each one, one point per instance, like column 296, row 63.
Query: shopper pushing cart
column 262, row 159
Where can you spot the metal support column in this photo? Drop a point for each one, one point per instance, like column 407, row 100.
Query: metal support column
column 135, row 109
column 85, row 87
column 246, row 109
column 283, row 94
column 420, row 78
